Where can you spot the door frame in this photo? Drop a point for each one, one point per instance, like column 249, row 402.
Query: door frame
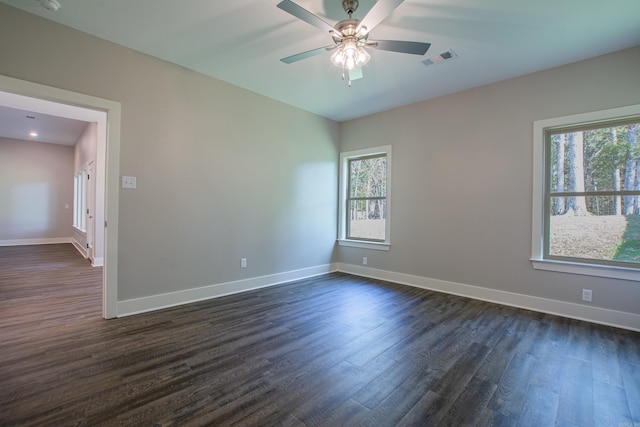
column 35, row 97
column 90, row 215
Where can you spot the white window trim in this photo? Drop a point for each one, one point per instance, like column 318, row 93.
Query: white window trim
column 537, row 226
column 342, row 210
column 79, row 200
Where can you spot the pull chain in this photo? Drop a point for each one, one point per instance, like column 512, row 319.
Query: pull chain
column 343, row 78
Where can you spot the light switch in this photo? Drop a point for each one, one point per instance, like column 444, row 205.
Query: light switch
column 128, row 182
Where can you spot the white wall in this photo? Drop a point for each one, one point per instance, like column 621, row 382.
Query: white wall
column 462, row 181
column 222, row 173
column 36, row 192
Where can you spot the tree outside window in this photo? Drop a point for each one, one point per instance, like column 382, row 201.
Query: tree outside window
column 592, row 196
column 367, row 198
column 364, row 198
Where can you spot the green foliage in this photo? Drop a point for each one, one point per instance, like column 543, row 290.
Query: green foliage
column 603, row 153
column 606, row 151
column 629, row 248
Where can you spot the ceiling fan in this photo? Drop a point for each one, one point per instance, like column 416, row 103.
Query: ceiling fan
column 351, row 36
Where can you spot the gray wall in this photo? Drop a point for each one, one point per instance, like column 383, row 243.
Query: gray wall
column 462, row 179
column 86, row 146
column 222, row 173
column 36, row 191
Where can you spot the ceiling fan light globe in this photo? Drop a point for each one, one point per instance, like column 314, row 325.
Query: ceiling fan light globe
column 337, row 58
column 349, row 56
column 363, row 57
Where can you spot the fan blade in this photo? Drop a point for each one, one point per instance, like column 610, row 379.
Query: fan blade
column 303, row 14
column 378, row 13
column 307, row 54
column 355, row 74
column 414, row 48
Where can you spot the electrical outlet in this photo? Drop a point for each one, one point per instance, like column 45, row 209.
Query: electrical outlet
column 128, row 182
column 243, row 263
column 364, row 260
column 587, row 295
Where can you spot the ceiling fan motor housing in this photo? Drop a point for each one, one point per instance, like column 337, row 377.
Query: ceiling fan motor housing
column 350, row 6
column 347, row 27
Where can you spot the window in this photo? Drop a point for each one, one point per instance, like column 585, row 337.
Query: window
column 586, row 215
column 364, row 198
column 79, row 200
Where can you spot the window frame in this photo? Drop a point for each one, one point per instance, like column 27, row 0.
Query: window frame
column 345, row 157
column 80, row 200
column 541, row 150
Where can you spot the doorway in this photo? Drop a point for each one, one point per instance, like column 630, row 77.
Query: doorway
column 24, row 95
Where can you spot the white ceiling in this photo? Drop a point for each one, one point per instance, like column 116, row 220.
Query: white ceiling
column 241, row 42
column 18, row 124
column 55, row 123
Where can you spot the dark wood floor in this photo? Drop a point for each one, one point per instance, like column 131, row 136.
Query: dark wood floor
column 334, row 350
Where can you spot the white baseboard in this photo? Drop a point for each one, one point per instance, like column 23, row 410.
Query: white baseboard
column 171, row 299
column 26, row 242
column 598, row 315
column 80, row 248
column 84, row 251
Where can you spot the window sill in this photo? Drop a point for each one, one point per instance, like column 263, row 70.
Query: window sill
column 609, row 271
column 364, row 245
column 75, row 227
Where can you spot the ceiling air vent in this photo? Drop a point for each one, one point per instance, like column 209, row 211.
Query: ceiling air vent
column 440, row 58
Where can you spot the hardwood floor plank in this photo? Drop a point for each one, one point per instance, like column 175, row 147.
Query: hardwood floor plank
column 605, row 368
column 631, row 382
column 495, row 364
column 326, row 351
column 377, row 390
column 575, row 406
column 510, row 394
column 434, row 408
column 470, row 405
column 610, row 405
column 540, row 407
column 392, row 410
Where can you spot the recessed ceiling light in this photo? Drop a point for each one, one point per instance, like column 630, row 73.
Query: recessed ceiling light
column 33, row 133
